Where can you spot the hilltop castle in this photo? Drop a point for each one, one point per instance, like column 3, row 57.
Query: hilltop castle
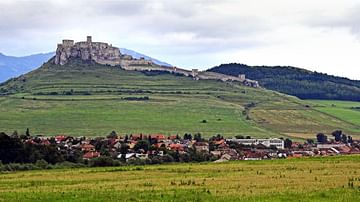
column 106, row 54
column 99, row 52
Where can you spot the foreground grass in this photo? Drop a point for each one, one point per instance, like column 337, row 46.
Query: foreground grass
column 315, row 179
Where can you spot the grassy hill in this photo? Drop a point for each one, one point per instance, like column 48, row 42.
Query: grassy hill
column 313, row 179
column 90, row 99
column 295, row 81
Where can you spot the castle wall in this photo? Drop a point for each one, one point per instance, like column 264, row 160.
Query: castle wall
column 106, row 54
column 100, row 52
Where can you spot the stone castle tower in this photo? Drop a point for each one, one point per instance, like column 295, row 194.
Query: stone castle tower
column 99, row 52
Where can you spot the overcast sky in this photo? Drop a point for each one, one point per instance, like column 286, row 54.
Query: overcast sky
column 321, row 35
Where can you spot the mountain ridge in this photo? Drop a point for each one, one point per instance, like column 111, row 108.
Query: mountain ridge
column 299, row 82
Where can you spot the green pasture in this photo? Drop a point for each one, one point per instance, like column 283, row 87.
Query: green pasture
column 93, row 100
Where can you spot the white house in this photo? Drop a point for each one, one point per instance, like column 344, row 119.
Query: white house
column 278, row 143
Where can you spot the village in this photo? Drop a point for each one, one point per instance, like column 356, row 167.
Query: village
column 142, row 149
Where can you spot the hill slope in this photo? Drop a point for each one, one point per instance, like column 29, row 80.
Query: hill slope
column 298, row 82
column 90, row 99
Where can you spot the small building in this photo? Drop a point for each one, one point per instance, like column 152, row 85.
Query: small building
column 278, row 143
column 328, row 146
column 87, row 147
column 91, row 155
column 201, row 147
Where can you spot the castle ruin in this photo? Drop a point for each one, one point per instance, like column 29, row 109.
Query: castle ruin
column 99, row 52
column 106, row 54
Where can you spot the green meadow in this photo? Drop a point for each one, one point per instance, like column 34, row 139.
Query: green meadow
column 309, row 179
column 345, row 110
column 83, row 99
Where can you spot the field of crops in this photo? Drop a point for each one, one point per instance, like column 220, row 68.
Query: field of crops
column 314, row 179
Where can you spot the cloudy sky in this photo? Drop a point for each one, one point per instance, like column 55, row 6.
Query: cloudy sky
column 321, row 35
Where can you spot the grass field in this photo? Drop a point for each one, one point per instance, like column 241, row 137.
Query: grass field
column 345, row 110
column 97, row 105
column 314, row 179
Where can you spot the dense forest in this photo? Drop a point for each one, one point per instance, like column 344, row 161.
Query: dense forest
column 295, row 81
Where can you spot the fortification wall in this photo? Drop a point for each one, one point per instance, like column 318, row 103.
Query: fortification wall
column 106, row 54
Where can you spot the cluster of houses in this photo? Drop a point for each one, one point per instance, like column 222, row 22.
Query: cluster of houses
column 220, row 149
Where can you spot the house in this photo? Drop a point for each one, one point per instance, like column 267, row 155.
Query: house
column 45, row 142
column 201, row 147
column 90, row 155
column 224, row 158
column 344, row 150
column 130, row 156
column 176, row 147
column 271, row 142
column 173, row 137
column 87, row 147
column 158, row 137
column 328, row 146
column 216, row 153
column 60, row 138
column 255, row 155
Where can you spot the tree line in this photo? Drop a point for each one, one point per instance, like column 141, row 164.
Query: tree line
column 295, row 81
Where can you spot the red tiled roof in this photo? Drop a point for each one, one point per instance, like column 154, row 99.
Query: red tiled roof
column 176, row 147
column 87, row 146
column 158, row 136
column 91, row 155
column 60, row 138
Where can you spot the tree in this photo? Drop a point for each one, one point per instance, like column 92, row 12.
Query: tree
column 15, row 134
column 344, row 138
column 11, row 149
column 321, row 138
column 124, row 148
column 27, row 133
column 337, row 134
column 197, row 137
column 287, row 143
column 113, row 135
column 239, row 137
column 187, row 136
column 142, row 144
column 310, row 141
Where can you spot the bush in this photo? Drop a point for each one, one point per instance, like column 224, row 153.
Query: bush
column 67, row 164
column 41, row 164
column 103, row 161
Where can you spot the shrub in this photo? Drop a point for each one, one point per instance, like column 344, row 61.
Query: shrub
column 41, row 164
column 103, row 161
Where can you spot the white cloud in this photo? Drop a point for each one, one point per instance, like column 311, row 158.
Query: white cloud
column 320, row 35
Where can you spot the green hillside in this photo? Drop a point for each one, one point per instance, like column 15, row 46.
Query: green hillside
column 90, row 99
column 295, row 81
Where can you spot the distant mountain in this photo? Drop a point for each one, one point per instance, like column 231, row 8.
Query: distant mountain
column 295, row 81
column 139, row 55
column 11, row 66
